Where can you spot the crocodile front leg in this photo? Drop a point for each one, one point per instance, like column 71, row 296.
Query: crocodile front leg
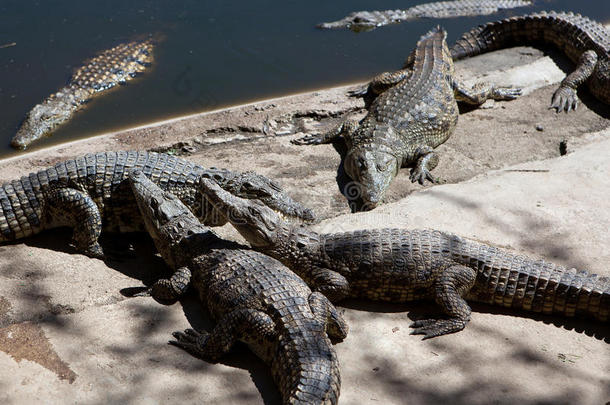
column 449, row 289
column 242, row 324
column 327, row 314
column 330, row 283
column 565, row 97
column 169, row 290
column 481, row 92
column 76, row 209
column 427, row 159
column 345, row 129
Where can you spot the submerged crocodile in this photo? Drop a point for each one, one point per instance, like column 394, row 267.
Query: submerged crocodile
column 415, row 112
column 584, row 41
column 92, row 192
column 400, row 265
column 104, row 71
column 254, row 299
column 369, row 20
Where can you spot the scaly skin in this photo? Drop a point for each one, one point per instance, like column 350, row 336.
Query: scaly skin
column 369, row 20
column 415, row 110
column 399, row 265
column 106, row 70
column 253, row 298
column 584, row 41
column 91, row 193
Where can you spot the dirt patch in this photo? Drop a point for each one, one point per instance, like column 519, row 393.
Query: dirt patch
column 27, row 341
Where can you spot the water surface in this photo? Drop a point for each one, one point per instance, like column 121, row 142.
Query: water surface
column 214, row 53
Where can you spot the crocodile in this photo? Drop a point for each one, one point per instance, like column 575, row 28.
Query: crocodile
column 584, row 41
column 91, row 192
column 400, row 265
column 414, row 110
column 106, row 70
column 369, row 20
column 253, row 297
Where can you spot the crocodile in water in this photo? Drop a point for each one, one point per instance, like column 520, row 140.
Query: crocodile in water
column 415, row 111
column 91, row 192
column 253, row 297
column 106, row 70
column 584, row 41
column 369, row 20
column 399, row 265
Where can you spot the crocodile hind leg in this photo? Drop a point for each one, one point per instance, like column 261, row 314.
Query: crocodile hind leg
column 67, row 206
column 482, row 92
column 451, row 286
column 565, row 97
column 378, row 85
column 427, row 159
column 345, row 129
column 321, row 307
column 241, row 324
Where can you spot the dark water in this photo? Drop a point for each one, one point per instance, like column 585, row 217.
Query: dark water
column 214, row 53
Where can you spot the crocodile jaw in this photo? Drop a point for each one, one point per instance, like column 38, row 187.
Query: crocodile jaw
column 252, row 186
column 256, row 222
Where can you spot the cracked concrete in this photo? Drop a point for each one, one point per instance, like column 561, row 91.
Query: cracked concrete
column 503, row 181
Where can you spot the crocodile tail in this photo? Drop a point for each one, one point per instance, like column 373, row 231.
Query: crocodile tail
column 20, row 212
column 438, row 30
column 306, row 369
column 544, row 287
column 544, row 27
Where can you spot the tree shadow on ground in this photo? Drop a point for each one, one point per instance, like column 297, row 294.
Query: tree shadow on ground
column 429, row 310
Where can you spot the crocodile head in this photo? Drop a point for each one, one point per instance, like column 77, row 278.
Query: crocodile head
column 254, row 220
column 172, row 226
column 41, row 120
column 253, row 186
column 372, row 171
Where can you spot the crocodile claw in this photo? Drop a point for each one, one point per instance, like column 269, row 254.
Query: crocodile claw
column 359, row 92
column 506, row 93
column 311, row 139
column 95, row 251
column 192, row 342
column 421, row 175
column 145, row 293
column 564, row 99
column 436, row 327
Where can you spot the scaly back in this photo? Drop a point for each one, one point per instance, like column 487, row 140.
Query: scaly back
column 114, row 66
column 430, row 65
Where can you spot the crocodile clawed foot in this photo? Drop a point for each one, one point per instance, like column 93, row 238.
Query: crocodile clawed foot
column 436, row 327
column 311, row 139
column 506, row 93
column 564, row 99
column 192, row 342
column 359, row 92
column 420, row 175
column 95, row 251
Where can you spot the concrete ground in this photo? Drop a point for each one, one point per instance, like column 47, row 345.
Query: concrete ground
column 68, row 335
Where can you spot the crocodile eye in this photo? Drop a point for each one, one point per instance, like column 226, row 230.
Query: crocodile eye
column 362, row 164
column 382, row 167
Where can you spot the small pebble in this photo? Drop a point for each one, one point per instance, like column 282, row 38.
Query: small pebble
column 539, row 128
